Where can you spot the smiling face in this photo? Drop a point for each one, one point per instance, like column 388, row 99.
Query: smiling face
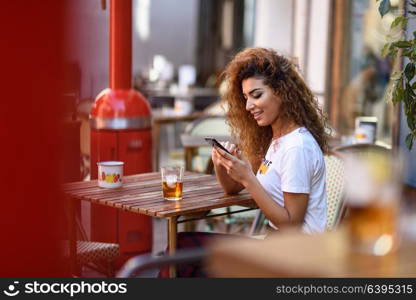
column 262, row 103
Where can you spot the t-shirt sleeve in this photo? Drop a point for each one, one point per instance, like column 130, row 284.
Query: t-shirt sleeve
column 296, row 170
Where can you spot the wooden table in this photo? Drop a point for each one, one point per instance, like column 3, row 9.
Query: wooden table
column 143, row 194
column 292, row 254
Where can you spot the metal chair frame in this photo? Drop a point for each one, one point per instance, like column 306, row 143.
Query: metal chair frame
column 136, row 266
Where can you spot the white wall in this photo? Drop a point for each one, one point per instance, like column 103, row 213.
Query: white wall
column 318, row 45
column 298, row 28
column 273, row 25
column 300, row 32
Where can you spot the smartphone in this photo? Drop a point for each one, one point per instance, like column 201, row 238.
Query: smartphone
column 214, row 143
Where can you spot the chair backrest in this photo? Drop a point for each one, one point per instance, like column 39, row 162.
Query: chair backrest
column 335, row 184
column 363, row 149
column 258, row 224
column 216, row 109
column 208, row 125
column 193, row 137
column 136, row 266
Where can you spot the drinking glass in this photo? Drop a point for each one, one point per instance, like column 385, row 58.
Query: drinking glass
column 172, row 184
column 373, row 204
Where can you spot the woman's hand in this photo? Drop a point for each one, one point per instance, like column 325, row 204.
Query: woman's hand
column 236, row 165
column 216, row 157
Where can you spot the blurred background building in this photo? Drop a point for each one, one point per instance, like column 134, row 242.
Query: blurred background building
column 335, row 43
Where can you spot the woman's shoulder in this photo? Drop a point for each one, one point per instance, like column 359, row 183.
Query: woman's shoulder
column 300, row 139
column 296, row 138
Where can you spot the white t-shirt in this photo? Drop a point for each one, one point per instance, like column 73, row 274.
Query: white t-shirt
column 294, row 163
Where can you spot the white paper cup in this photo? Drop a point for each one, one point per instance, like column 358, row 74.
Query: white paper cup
column 110, row 174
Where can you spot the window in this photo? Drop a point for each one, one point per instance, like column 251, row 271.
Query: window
column 365, row 79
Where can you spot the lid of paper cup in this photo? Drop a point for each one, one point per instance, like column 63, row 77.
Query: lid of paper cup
column 110, row 163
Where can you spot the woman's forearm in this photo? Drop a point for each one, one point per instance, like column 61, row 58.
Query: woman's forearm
column 277, row 214
column 229, row 185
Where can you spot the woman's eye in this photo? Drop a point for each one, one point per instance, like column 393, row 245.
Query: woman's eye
column 257, row 96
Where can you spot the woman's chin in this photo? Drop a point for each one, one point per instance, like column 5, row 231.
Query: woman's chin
column 261, row 123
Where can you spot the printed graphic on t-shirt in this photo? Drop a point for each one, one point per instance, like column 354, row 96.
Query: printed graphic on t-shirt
column 265, row 164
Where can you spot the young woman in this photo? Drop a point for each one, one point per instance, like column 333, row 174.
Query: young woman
column 281, row 139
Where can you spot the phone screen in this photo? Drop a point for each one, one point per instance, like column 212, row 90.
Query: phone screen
column 213, row 142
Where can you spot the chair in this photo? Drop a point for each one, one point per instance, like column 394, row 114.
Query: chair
column 138, row 265
column 197, row 150
column 97, row 256
column 259, row 223
column 334, row 190
column 216, row 109
column 335, row 184
column 363, row 149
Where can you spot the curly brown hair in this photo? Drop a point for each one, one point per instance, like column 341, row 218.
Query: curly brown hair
column 299, row 105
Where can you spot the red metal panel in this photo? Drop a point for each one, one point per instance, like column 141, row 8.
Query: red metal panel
column 71, row 166
column 103, row 147
column 104, row 220
column 134, row 149
column 104, row 224
column 135, row 232
column 120, row 44
column 32, row 219
column 132, row 231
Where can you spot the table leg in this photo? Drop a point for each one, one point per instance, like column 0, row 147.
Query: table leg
column 72, row 236
column 172, row 241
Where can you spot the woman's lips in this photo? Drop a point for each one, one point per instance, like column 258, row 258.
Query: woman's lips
column 256, row 115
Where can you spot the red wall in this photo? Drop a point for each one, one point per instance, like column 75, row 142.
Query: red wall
column 87, row 51
column 31, row 58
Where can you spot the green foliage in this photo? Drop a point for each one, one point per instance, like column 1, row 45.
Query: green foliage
column 409, row 141
column 404, row 86
column 402, row 21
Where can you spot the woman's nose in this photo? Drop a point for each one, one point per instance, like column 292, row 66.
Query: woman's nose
column 249, row 105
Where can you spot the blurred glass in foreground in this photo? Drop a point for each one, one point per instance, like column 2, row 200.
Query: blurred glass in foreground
column 373, row 198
